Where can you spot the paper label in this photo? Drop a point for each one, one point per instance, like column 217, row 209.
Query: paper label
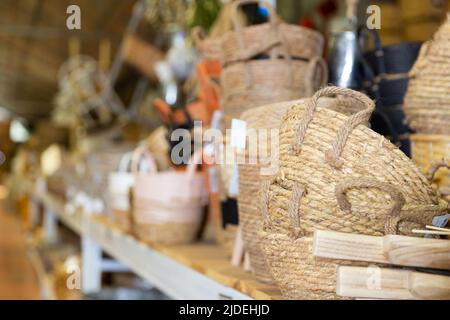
column 238, row 133
column 233, row 188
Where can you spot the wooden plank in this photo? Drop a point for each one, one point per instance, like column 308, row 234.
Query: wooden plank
column 382, row 283
column 390, row 249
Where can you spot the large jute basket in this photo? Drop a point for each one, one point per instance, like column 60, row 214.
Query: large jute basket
column 431, row 153
column 427, row 101
column 264, row 122
column 336, row 174
column 167, row 207
column 265, row 38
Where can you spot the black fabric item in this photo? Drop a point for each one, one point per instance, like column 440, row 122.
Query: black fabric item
column 389, row 118
column 392, row 92
column 229, row 212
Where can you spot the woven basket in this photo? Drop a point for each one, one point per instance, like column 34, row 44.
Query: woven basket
column 430, row 153
column 260, row 82
column 167, row 206
column 265, row 38
column 336, row 174
column 427, row 101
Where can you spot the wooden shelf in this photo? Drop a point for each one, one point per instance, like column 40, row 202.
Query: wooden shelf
column 197, row 271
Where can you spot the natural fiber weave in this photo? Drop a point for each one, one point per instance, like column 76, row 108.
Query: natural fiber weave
column 251, row 175
column 427, row 101
column 429, row 152
column 336, row 174
column 167, row 233
column 122, row 219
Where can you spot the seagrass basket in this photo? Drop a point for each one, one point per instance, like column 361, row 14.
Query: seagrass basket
column 260, row 166
column 431, row 153
column 427, row 101
column 264, row 38
column 167, row 207
column 336, row 174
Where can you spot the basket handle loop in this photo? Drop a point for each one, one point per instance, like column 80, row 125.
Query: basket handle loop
column 273, row 20
column 298, row 191
column 421, row 60
column 332, row 156
column 142, row 154
column 393, row 215
column 316, row 63
column 435, row 167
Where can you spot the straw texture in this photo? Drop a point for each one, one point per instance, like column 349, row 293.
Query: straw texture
column 251, row 175
column 427, row 101
column 431, row 153
column 336, row 174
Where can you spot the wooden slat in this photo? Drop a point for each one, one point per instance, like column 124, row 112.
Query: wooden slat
column 381, row 283
column 391, row 249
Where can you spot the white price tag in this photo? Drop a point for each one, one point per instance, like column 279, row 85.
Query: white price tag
column 233, row 188
column 238, row 133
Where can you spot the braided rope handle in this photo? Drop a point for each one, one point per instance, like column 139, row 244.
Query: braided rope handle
column 392, row 216
column 298, row 191
column 332, row 156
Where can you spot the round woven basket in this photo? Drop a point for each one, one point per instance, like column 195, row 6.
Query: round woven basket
column 427, row 100
column 431, row 153
column 336, row 174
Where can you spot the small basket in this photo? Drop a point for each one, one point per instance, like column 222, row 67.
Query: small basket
column 266, row 38
column 167, row 206
column 336, row 174
column 431, row 153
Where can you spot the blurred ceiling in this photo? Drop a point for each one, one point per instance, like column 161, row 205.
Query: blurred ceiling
column 34, row 42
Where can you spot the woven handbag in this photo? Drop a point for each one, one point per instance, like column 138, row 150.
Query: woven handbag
column 336, row 174
column 431, row 153
column 167, row 206
column 427, row 101
column 252, row 174
column 265, row 38
column 120, row 183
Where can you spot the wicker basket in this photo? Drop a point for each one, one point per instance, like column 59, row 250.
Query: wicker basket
column 427, row 101
column 266, row 38
column 167, row 206
column 430, row 152
column 336, row 174
column 260, row 82
column 251, row 175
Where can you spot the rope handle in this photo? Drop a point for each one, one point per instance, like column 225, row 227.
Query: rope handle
column 332, row 156
column 316, row 63
column 422, row 59
column 435, row 168
column 273, row 20
column 393, row 215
